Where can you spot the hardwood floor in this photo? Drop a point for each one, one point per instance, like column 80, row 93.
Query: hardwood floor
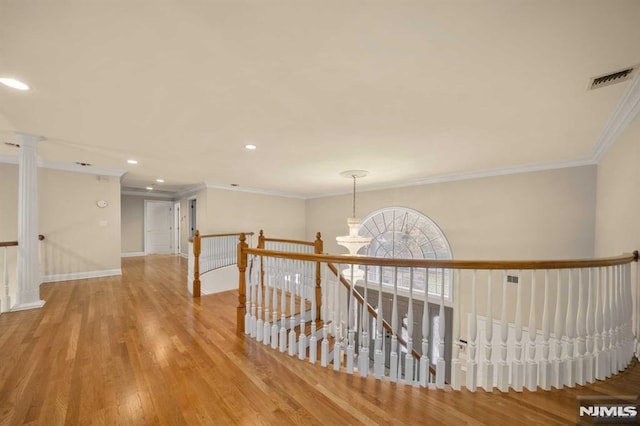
column 137, row 349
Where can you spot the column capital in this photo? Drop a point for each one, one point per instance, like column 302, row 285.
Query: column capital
column 28, row 138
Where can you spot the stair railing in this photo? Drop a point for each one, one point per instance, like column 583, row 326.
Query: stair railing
column 211, row 252
column 595, row 325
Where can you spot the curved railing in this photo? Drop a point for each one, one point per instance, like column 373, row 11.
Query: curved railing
column 211, row 252
column 585, row 310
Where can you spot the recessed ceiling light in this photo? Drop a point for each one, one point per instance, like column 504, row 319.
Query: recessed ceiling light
column 14, row 84
column 149, row 188
column 83, row 164
column 250, row 147
column 160, row 180
column 132, row 161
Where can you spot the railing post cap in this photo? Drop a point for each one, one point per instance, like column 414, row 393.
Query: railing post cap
column 261, row 233
column 243, row 237
column 197, row 233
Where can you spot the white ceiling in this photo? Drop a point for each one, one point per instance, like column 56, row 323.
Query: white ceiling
column 408, row 90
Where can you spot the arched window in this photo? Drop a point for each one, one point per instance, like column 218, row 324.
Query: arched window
column 403, row 233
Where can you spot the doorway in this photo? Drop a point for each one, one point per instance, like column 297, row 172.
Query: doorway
column 158, row 227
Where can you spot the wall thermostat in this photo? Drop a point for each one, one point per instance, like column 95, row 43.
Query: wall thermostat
column 102, row 203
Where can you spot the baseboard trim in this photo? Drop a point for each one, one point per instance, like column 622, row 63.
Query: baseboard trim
column 81, row 275
column 132, row 254
column 27, row 306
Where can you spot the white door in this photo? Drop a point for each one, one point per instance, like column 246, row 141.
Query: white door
column 158, row 221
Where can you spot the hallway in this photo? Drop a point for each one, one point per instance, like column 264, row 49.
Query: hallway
column 137, row 349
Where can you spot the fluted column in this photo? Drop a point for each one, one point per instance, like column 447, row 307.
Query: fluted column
column 29, row 280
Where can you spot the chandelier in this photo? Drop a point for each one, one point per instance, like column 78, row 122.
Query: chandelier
column 353, row 242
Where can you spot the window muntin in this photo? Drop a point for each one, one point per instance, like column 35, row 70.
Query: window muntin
column 403, row 233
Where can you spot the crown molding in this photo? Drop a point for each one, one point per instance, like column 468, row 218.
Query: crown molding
column 148, row 194
column 226, row 187
column 14, row 159
column 502, row 171
column 625, row 112
column 190, row 190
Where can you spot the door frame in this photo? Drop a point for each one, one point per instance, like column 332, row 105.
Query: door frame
column 176, row 227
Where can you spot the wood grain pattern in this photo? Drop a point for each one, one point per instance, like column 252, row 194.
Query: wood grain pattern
column 137, row 349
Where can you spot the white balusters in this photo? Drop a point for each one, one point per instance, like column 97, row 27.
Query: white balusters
column 249, row 308
column 441, row 366
column 593, row 333
column 557, row 372
column 363, row 356
column 589, row 361
column 503, row 367
column 424, row 358
column 569, row 360
column 313, row 340
column 283, row 313
column 616, row 311
column 531, row 373
column 487, row 364
column 472, row 365
column 606, row 322
column 378, row 360
column 408, row 361
column 292, row 312
column 544, row 378
column 258, row 284
column 517, row 365
column 274, row 283
column 456, row 365
column 393, row 357
column 302, row 337
column 599, row 350
column 350, row 352
column 581, row 328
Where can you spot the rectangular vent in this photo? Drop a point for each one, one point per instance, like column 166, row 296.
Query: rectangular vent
column 613, row 78
column 512, row 279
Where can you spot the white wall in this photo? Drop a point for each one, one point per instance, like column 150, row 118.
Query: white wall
column 81, row 239
column 618, row 196
column 237, row 211
column 539, row 215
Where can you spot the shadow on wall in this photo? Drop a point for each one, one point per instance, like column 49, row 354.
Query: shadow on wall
column 57, row 259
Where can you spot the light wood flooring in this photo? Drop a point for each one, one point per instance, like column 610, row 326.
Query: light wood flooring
column 137, row 349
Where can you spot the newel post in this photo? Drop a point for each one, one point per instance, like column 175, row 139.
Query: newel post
column 318, row 248
column 242, row 297
column 261, row 240
column 196, row 264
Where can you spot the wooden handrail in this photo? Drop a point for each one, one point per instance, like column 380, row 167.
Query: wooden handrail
column 453, row 264
column 232, row 234
column 15, row 243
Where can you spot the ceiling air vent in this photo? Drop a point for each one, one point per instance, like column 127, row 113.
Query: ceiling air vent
column 613, row 78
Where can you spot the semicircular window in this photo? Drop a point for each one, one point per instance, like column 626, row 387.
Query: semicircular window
column 403, row 233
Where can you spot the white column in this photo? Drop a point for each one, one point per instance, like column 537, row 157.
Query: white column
column 29, row 280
